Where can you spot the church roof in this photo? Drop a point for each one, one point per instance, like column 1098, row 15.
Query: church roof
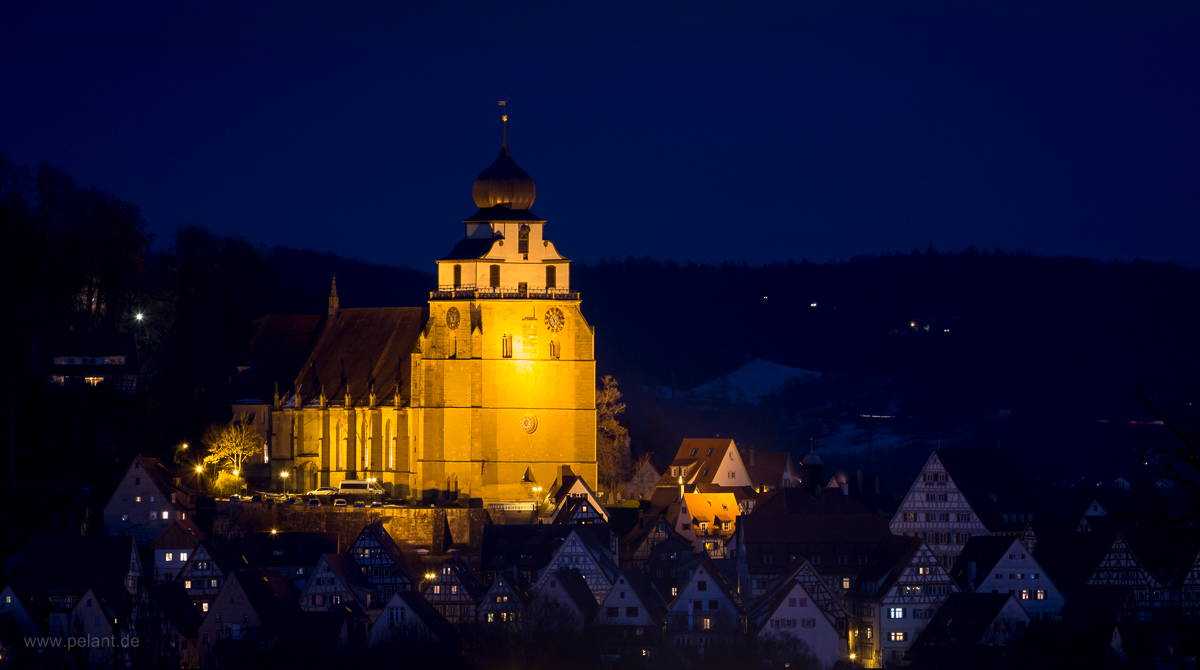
column 276, row 349
column 504, row 183
column 470, row 248
column 502, row 213
column 360, row 347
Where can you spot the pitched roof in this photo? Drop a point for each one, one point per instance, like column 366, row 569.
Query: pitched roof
column 277, row 349
column 502, row 213
column 641, row 586
column 358, row 348
column 268, row 594
column 177, row 607
column 990, row 483
column 576, row 588
column 760, row 611
column 984, row 551
column 1071, row 558
column 700, row 456
column 963, row 619
column 712, row 508
column 891, row 556
column 470, row 248
column 433, row 619
column 72, row 564
column 768, row 467
column 182, row 534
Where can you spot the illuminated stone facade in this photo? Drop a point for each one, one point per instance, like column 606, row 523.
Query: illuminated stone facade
column 485, row 393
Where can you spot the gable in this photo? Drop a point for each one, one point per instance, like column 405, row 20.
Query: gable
column 922, row 578
column 1121, row 567
column 795, row 611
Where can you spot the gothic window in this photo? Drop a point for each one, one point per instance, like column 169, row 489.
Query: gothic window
column 523, row 240
column 555, row 349
column 551, row 276
column 495, row 276
column 506, row 346
column 457, row 276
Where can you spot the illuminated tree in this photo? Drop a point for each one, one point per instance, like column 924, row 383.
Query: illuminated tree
column 612, row 438
column 232, row 445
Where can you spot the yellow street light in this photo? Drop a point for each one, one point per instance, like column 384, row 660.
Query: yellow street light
column 430, row 575
column 284, row 474
column 199, row 469
column 274, row 531
column 235, row 473
column 184, row 446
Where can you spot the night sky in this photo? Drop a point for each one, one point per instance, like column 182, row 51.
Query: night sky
column 726, row 132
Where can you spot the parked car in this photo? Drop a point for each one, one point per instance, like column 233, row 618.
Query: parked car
column 323, row 491
column 290, row 501
column 313, row 502
column 235, row 498
column 361, row 488
column 339, row 502
column 256, row 498
column 359, row 503
column 377, row 503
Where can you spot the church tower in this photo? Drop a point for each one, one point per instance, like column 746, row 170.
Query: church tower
column 504, row 374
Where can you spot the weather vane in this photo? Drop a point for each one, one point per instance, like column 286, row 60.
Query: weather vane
column 503, row 123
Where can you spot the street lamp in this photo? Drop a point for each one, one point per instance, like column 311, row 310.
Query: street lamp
column 199, row 469
column 284, row 476
column 139, row 317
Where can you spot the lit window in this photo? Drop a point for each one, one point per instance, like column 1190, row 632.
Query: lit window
column 166, row 514
column 895, row 612
column 203, row 607
column 897, row 636
column 924, row 570
column 845, row 582
column 706, row 623
column 212, row 583
column 674, row 591
column 137, row 499
column 183, row 556
column 437, row 588
column 1041, row 594
column 168, row 557
column 187, row 583
column 1024, row 594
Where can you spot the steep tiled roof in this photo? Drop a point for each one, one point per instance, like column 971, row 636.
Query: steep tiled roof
column 268, row 594
column 577, row 590
column 183, row 534
column 767, row 467
column 277, row 349
column 1071, row 558
column 433, row 620
column 173, row 602
column 359, row 348
column 891, row 556
column 701, row 456
column 963, row 619
column 984, row 551
column 989, row 482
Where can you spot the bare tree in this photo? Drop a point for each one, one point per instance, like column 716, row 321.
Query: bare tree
column 232, row 445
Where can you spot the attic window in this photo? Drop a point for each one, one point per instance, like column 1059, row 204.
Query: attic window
column 693, row 451
column 709, row 452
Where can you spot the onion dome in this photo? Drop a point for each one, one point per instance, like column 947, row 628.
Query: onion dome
column 504, row 183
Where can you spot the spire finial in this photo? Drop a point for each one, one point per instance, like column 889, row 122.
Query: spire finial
column 334, row 303
column 503, row 124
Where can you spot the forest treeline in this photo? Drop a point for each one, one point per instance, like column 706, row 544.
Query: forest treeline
column 942, row 338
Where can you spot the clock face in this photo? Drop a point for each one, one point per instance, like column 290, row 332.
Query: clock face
column 529, row 423
column 452, row 318
column 555, row 319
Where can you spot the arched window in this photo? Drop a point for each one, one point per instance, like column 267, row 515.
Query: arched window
column 495, row 272
column 551, row 276
column 457, row 276
column 523, row 239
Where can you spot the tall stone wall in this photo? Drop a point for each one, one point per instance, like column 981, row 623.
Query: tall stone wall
column 430, row 528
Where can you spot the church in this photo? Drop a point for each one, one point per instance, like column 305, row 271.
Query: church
column 485, row 392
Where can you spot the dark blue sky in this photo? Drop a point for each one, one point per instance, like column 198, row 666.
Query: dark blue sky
column 735, row 131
